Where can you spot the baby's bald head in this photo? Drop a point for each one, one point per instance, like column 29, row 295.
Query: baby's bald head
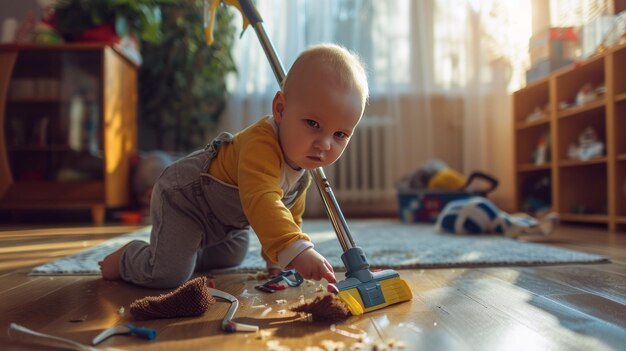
column 332, row 63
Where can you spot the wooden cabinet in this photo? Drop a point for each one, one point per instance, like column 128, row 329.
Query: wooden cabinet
column 580, row 188
column 68, row 117
column 617, row 64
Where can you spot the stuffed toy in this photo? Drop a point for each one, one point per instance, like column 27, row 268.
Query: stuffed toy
column 433, row 175
column 588, row 147
column 478, row 215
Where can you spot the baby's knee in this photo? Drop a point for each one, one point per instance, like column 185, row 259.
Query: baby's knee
column 166, row 280
column 237, row 249
column 234, row 259
column 229, row 253
column 139, row 267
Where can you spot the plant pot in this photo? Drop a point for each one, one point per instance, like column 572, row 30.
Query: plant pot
column 102, row 33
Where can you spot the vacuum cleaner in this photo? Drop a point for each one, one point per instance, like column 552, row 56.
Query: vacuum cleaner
column 363, row 290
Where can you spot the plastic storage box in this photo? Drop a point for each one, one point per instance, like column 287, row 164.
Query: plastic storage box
column 424, row 206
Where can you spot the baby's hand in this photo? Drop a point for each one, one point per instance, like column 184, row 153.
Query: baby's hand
column 311, row 265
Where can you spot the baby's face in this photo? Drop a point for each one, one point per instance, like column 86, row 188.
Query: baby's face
column 316, row 122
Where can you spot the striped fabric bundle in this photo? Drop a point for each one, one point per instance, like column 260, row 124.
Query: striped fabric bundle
column 478, row 215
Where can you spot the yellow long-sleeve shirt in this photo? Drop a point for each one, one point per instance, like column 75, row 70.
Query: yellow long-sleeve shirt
column 254, row 162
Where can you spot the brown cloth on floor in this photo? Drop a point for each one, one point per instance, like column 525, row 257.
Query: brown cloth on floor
column 190, row 299
column 327, row 308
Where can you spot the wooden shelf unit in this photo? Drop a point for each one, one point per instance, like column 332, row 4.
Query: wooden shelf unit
column 582, row 191
column 43, row 163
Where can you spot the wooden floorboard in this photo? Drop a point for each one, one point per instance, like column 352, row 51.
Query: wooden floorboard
column 12, row 280
column 543, row 305
column 558, row 307
column 593, row 281
column 473, row 319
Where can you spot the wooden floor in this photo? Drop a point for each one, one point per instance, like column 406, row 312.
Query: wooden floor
column 566, row 307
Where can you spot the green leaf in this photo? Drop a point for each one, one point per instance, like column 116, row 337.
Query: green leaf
column 182, row 81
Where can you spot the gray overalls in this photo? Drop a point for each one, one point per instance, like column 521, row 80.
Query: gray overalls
column 197, row 223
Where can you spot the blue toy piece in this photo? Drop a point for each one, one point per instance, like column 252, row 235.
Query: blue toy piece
column 284, row 277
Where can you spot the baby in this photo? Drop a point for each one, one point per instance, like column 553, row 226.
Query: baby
column 203, row 205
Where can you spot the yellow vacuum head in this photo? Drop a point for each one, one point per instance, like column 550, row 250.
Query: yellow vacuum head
column 394, row 290
column 364, row 291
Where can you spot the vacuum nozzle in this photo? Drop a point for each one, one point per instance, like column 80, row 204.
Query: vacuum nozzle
column 363, row 290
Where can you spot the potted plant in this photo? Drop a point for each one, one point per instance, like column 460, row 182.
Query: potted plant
column 182, row 82
column 108, row 20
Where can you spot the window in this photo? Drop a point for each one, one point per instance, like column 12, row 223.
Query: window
column 409, row 46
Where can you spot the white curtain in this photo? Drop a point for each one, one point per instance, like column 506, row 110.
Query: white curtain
column 442, row 70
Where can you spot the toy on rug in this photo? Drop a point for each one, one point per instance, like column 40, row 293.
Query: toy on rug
column 431, row 175
column 188, row 300
column 478, row 215
column 423, row 193
column 327, row 308
column 436, row 175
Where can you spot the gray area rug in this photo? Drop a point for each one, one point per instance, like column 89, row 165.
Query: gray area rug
column 386, row 243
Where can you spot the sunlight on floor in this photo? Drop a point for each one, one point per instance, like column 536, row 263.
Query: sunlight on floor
column 25, row 233
column 51, row 246
column 19, row 264
column 521, row 338
column 19, row 260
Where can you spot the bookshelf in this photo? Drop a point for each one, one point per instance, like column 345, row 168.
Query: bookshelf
column 67, row 114
column 587, row 190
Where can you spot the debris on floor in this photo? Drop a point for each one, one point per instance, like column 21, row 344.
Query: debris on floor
column 274, row 345
column 380, row 345
column 260, row 276
column 247, row 295
column 263, row 334
column 360, row 335
column 388, row 345
column 327, row 308
column 190, row 299
column 79, row 319
column 330, row 345
column 266, row 312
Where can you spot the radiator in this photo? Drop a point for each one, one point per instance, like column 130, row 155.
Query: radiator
column 366, row 173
